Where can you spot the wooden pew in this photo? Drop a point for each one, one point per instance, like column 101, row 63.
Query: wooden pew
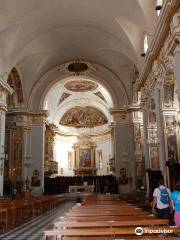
column 107, row 213
column 110, row 232
column 106, row 217
column 110, row 218
column 111, row 224
column 117, row 238
column 16, row 212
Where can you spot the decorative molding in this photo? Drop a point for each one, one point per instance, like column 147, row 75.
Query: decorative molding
column 161, row 35
column 118, row 114
column 24, row 118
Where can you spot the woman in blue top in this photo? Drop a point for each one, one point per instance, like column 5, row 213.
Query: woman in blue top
column 175, row 200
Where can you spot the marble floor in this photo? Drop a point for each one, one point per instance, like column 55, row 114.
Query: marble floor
column 33, row 230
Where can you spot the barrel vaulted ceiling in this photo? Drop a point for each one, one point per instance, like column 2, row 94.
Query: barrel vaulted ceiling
column 37, row 35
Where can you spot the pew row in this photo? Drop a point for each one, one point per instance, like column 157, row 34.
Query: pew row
column 110, row 232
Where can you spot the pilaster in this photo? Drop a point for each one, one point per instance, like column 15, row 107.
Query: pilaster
column 124, row 149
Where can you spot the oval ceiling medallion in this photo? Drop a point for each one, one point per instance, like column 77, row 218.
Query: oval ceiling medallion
column 80, row 86
column 77, row 67
column 83, row 117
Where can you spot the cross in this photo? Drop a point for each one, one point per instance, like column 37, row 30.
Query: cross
column 1, row 169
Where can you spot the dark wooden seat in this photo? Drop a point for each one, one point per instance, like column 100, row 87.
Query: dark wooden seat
column 111, row 224
column 16, row 212
column 106, row 232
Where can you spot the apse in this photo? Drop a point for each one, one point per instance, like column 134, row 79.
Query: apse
column 78, row 107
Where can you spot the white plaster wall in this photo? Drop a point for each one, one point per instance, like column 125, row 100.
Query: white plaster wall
column 106, row 147
column 62, row 146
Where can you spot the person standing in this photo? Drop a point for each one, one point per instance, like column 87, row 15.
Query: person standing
column 175, row 201
column 161, row 201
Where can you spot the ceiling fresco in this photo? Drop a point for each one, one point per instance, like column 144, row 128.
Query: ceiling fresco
column 80, row 86
column 99, row 94
column 83, row 117
column 63, row 97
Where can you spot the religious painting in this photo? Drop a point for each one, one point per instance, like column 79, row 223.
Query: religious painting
column 168, row 95
column 80, row 86
column 83, row 117
column 70, row 159
column 63, row 97
column 99, row 94
column 154, row 157
column 152, row 117
column 123, row 179
column 172, row 149
column 85, row 158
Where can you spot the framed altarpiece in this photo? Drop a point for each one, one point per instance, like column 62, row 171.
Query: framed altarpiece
column 84, row 159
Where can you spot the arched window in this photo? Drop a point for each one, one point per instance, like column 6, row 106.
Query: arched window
column 159, row 4
column 145, row 44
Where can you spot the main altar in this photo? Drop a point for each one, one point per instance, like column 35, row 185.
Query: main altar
column 84, row 156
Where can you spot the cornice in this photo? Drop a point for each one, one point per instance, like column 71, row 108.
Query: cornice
column 118, row 113
column 163, row 26
column 30, row 117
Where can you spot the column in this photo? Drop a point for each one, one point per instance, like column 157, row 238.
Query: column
column 37, row 148
column 124, row 151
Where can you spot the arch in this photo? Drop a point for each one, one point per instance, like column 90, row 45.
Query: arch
column 50, row 78
column 15, row 82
